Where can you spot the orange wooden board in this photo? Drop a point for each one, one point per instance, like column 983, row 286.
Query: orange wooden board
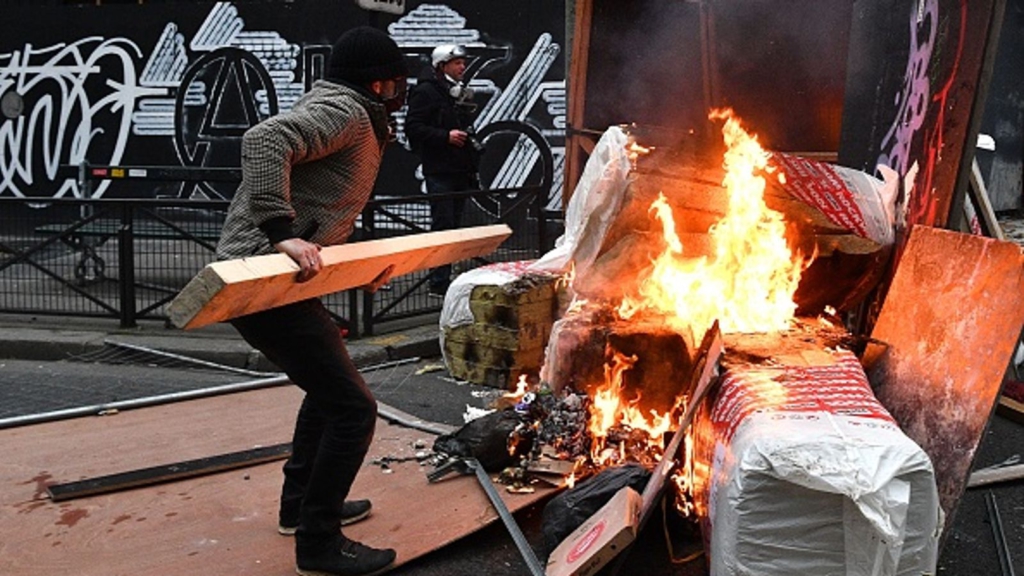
column 951, row 321
column 219, row 524
column 231, row 288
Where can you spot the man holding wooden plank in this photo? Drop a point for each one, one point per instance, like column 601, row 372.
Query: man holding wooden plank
column 306, row 176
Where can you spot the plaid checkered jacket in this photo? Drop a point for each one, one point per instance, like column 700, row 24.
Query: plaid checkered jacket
column 313, row 167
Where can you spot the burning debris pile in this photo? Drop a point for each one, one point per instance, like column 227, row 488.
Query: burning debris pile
column 658, row 253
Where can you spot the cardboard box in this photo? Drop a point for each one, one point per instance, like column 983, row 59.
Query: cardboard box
column 598, row 540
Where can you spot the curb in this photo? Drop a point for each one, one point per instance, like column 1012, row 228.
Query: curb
column 56, row 344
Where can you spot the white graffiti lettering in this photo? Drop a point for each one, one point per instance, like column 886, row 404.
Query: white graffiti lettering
column 71, row 92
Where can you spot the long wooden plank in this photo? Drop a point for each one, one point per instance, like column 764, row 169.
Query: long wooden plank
column 232, row 288
column 978, row 193
column 949, row 325
column 574, row 145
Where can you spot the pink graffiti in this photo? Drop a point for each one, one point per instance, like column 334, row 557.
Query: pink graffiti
column 913, row 98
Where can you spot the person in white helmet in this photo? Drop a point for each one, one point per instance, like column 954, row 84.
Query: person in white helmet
column 439, row 130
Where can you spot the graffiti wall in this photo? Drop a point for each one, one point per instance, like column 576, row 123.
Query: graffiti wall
column 914, row 71
column 177, row 84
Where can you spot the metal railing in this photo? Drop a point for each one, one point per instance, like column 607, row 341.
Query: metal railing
column 128, row 258
column 407, row 296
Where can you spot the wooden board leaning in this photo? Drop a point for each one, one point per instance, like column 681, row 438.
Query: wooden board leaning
column 232, row 288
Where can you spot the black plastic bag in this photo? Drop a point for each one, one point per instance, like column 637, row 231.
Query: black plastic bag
column 485, row 439
column 570, row 509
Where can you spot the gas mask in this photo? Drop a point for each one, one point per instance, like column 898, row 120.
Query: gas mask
column 459, row 91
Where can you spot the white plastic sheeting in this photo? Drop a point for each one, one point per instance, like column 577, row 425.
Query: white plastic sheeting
column 593, row 207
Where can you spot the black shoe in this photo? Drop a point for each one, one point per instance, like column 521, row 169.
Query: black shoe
column 437, row 291
column 343, row 558
column 352, row 511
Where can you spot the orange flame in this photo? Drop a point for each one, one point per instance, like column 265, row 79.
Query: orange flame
column 749, row 281
column 609, row 409
column 606, row 401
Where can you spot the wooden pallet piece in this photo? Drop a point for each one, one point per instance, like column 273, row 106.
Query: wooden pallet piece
column 233, row 288
column 1011, row 409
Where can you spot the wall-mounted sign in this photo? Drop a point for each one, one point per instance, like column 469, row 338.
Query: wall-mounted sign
column 392, row 6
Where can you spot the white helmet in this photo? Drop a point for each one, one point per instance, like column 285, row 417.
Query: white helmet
column 445, row 53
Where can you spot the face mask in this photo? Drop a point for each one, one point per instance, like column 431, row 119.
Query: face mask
column 458, row 90
column 395, row 102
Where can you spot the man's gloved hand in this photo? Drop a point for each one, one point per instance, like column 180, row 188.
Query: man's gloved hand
column 305, row 254
column 380, row 280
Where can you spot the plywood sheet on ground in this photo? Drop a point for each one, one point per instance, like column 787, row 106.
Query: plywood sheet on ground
column 219, row 524
column 949, row 325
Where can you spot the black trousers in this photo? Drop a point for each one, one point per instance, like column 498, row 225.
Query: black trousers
column 446, row 214
column 335, row 424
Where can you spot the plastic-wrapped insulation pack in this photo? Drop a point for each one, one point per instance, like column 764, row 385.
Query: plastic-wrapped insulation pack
column 799, row 470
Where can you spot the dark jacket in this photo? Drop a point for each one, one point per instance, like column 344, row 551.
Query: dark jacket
column 432, row 114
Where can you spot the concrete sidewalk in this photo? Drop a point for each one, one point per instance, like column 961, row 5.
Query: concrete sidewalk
column 51, row 338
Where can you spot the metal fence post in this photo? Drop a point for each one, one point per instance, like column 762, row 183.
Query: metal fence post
column 542, row 222
column 367, row 297
column 126, row 266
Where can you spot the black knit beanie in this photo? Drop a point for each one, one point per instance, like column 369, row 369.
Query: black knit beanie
column 365, row 54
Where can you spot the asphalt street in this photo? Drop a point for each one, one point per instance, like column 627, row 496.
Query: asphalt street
column 423, row 388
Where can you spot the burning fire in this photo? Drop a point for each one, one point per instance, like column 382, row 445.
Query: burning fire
column 749, row 281
column 609, row 410
column 747, row 284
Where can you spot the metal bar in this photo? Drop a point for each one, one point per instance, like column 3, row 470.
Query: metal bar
column 190, row 360
column 167, row 472
column 141, row 402
column 126, row 265
column 397, row 417
column 95, row 172
column 369, row 232
column 185, row 233
column 529, row 556
column 353, row 314
column 1005, row 561
column 96, row 409
column 108, row 202
column 397, row 218
column 542, row 224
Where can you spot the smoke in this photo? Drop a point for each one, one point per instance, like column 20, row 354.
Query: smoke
column 643, row 71
column 780, row 65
